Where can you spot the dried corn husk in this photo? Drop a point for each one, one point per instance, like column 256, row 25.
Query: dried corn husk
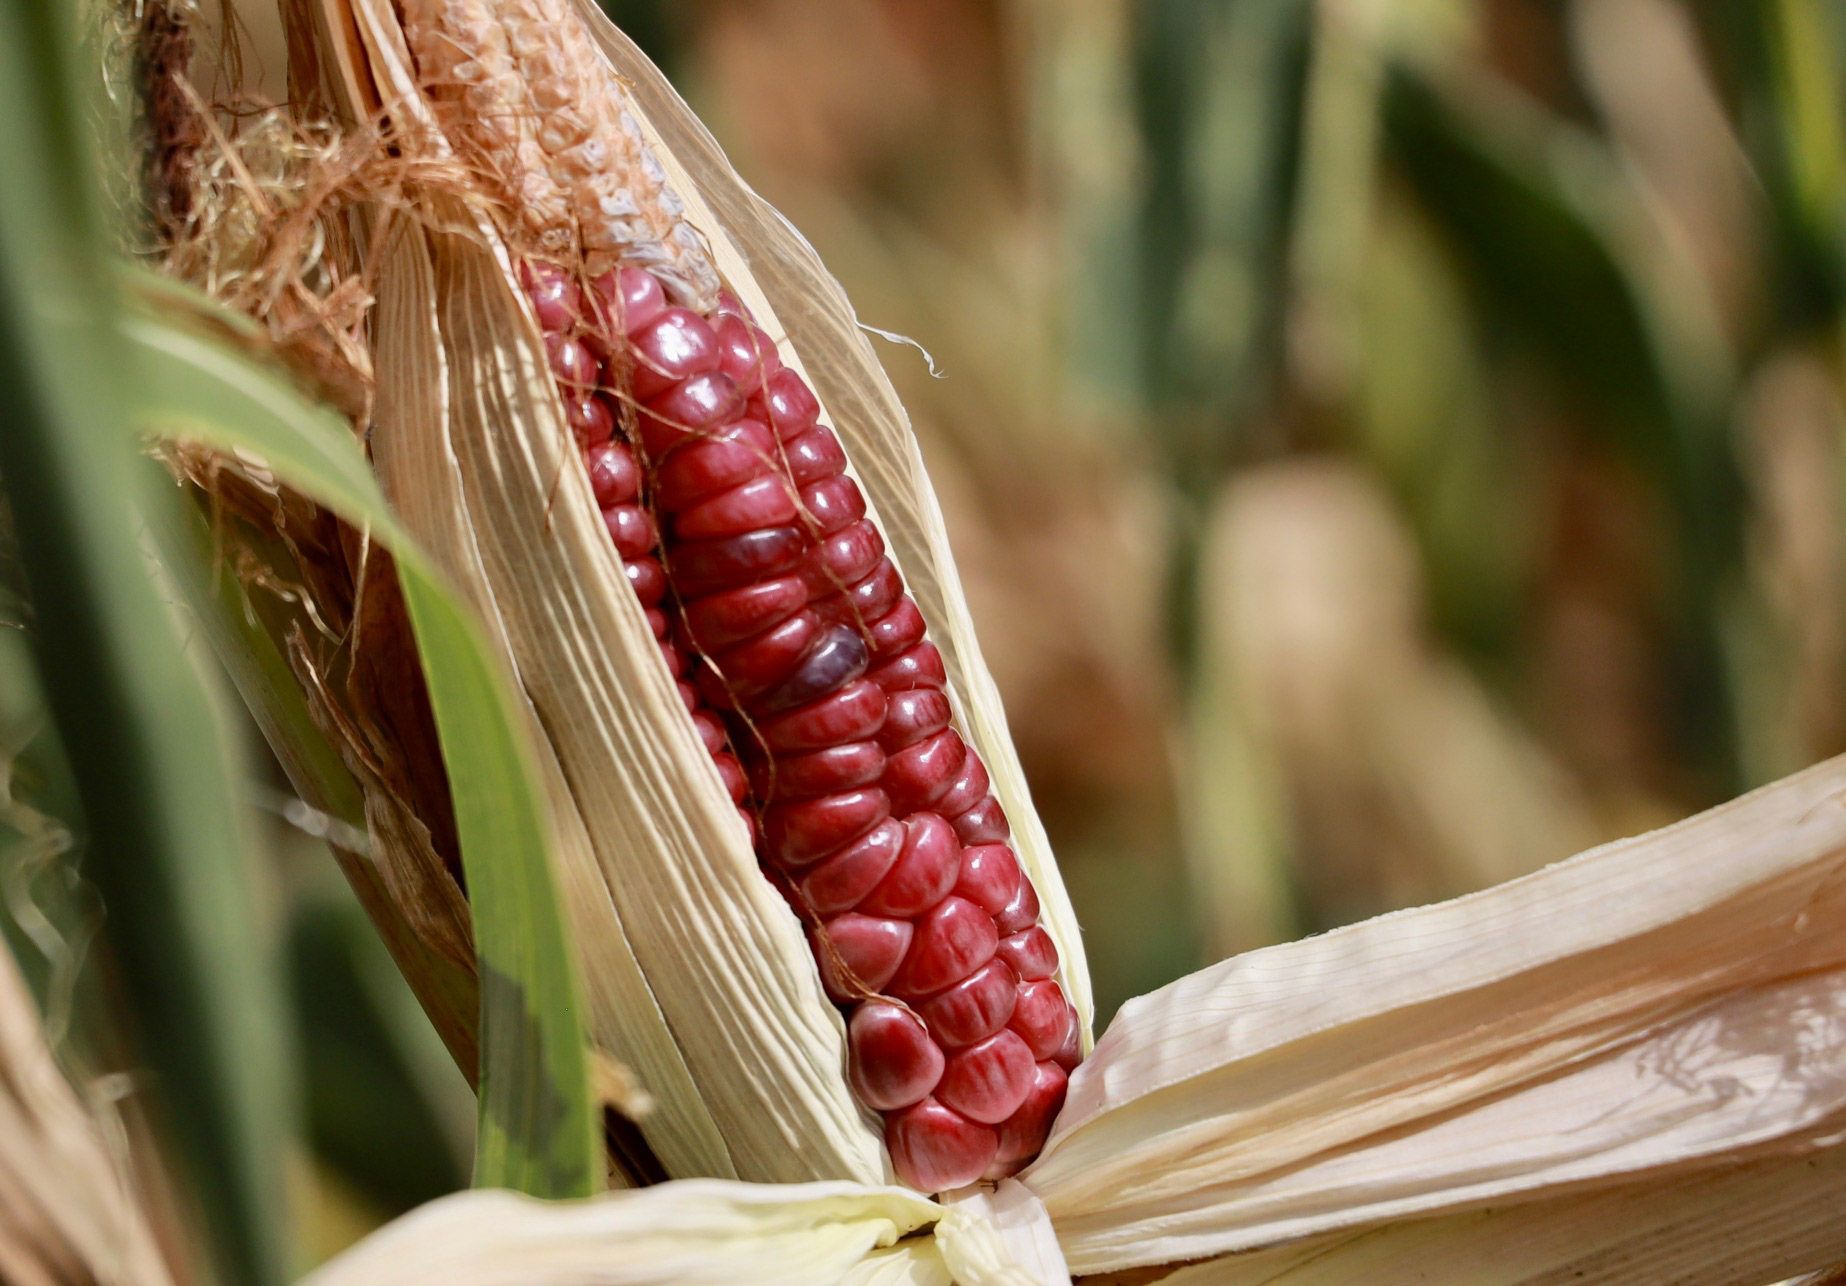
column 692, row 1231
column 68, row 1210
column 1628, row 1066
column 1658, row 1005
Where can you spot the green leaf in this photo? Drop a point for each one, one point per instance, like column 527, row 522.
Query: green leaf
column 156, row 768
column 1542, row 219
column 537, row 1120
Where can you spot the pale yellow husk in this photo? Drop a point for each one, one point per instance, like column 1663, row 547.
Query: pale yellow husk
column 1629, row 1066
column 68, row 1211
column 703, row 1231
column 1663, row 1002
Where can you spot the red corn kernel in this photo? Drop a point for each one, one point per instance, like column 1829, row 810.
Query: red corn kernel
column 711, row 732
column 745, row 353
column 917, row 776
column 836, row 659
column 1030, row 952
column 694, row 409
column 718, row 620
column 657, row 622
column 1041, row 1016
column 990, row 875
column 898, row 629
column 912, row 716
column 934, row 1148
column 615, row 477
column 573, row 365
column 974, row 1008
column 689, row 697
column 647, row 579
column 814, row 455
column 590, row 418
column 846, row 556
column 712, row 690
column 859, row 953
column 851, row 714
column 702, row 566
column 819, row 772
column 871, row 598
column 1072, row 1052
column 764, row 501
column 556, row 301
column 924, row 873
column 799, row 832
column 788, row 404
column 953, row 940
column 758, row 662
column 674, row 657
column 894, row 1063
column 732, row 774
column 729, row 305
column 987, row 1081
column 1020, row 913
column 920, row 667
column 735, row 453
column 630, row 528
column 970, row 788
column 632, row 297
column 985, row 823
column 676, row 344
column 832, row 503
column 1024, row 1132
column 837, row 883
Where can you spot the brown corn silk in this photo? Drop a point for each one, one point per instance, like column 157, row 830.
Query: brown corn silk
column 697, row 974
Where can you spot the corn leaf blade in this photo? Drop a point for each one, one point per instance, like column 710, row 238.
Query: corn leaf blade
column 537, row 1121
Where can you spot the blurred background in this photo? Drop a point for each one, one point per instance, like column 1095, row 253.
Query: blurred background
column 1390, row 445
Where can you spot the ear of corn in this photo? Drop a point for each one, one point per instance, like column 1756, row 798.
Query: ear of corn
column 476, row 465
column 724, row 1020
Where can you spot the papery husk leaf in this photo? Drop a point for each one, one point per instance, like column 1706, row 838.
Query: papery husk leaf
column 1753, row 1223
column 915, row 1261
column 1652, row 1007
column 779, row 276
column 418, row 471
column 693, row 1231
column 1000, row 1234
column 68, row 1210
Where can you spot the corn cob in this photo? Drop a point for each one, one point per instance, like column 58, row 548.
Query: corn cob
column 802, row 662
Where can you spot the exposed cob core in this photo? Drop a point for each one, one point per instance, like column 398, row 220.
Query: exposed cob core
column 803, row 663
column 544, row 116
